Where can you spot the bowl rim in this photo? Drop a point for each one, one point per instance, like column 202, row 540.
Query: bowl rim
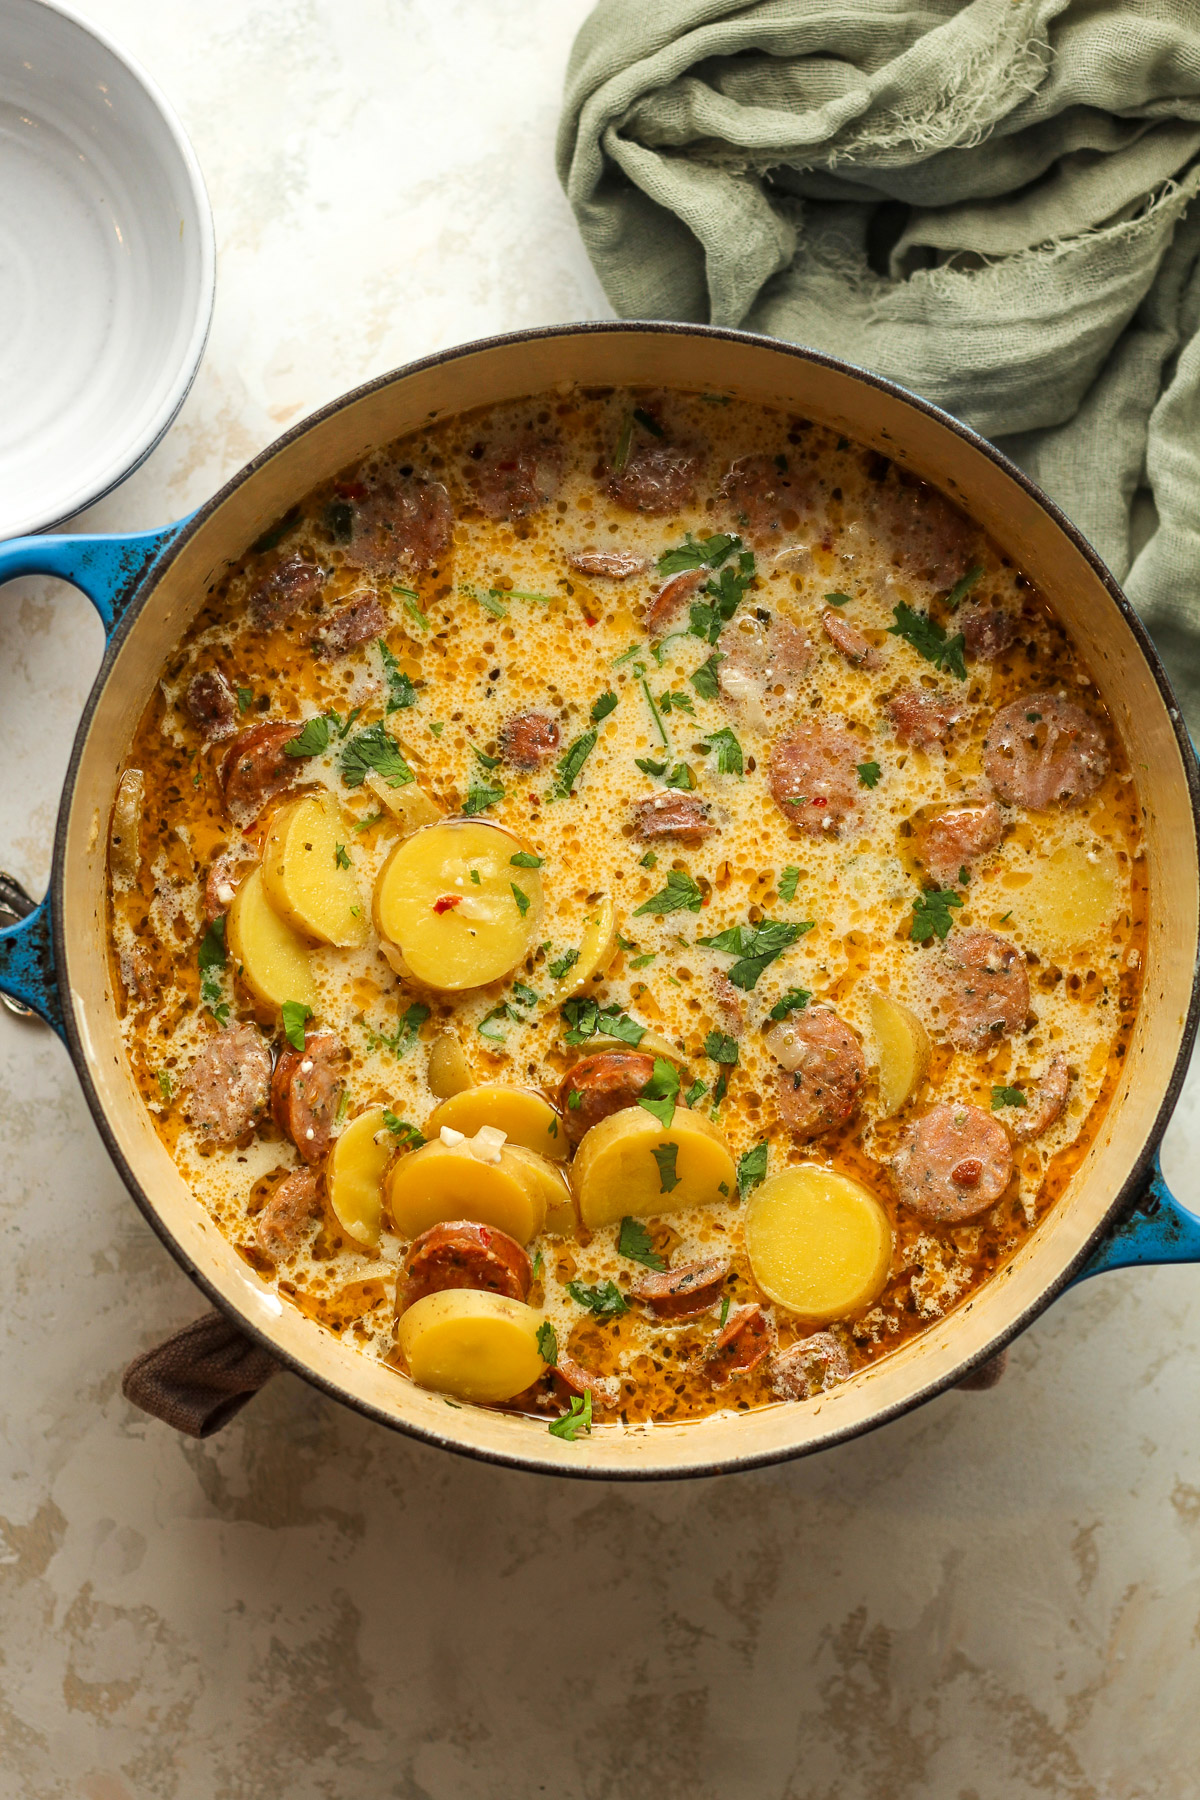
column 1122, row 1201
column 125, row 459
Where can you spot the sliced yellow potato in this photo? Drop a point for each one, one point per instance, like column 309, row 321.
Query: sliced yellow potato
column 629, row 1163
column 653, row 1043
column 551, row 1179
column 410, row 806
column 903, row 1045
column 819, row 1243
column 354, row 1173
column 523, row 1115
column 269, row 957
column 307, row 875
column 125, row 832
column 448, row 1070
column 473, row 1345
column 595, row 952
column 455, row 932
column 443, row 1181
column 1072, row 896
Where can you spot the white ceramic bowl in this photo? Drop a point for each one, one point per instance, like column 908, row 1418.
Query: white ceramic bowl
column 107, row 265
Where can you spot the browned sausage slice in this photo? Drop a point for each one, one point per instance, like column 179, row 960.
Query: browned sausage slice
column 747, row 1339
column 929, row 537
column 765, row 662
column 1042, row 751
column 983, row 987
column 257, row 768
column 212, row 704
column 306, row 1090
column 812, row 1366
column 821, row 1073
column 350, row 626
column 404, row 523
column 768, row 496
column 849, row 640
column 813, row 776
column 667, row 606
column 672, row 815
column 658, row 478
column 228, row 1085
column 607, row 565
column 684, row 1292
column 953, row 1164
column 606, row 1082
column 512, row 480
column 528, row 739
column 290, row 585
column 462, row 1254
column 1044, row 1105
column 955, row 839
column 922, row 716
column 988, row 630
column 282, row 1225
column 604, row 1389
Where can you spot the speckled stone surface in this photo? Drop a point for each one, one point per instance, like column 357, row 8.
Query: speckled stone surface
column 997, row 1598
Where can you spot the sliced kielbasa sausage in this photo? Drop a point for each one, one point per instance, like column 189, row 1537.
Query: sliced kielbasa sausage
column 922, row 716
column 672, row 815
column 812, row 1366
column 1045, row 1103
column 953, row 1164
column 228, row 1085
column 769, row 497
column 667, row 606
column 257, row 767
column 512, row 480
column 352, row 625
column 293, row 583
column 747, row 1339
column 402, row 523
column 1043, row 751
column 462, row 1254
column 849, row 640
column 822, row 1070
column 955, row 839
column 607, row 565
column 282, row 1225
column 983, row 988
column 988, row 630
column 657, row 478
column 765, row 662
column 929, row 537
column 604, row 1083
column 684, row 1292
column 212, row 704
column 306, row 1090
column 604, row 1389
column 528, row 739
column 813, row 776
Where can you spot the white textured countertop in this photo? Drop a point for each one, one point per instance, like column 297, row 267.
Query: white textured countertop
column 996, row 1598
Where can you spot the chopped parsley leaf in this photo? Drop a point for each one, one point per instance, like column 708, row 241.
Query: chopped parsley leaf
column 724, row 597
column 931, row 913
column 165, row 1085
column 410, row 598
column 604, row 705
column 729, row 751
column 586, row 1017
column 681, row 777
column 521, row 898
column 660, row 1092
column 868, row 774
column 795, row 1000
column 401, row 692
column 677, row 702
column 696, row 1092
column 705, row 679
column 643, row 962
column 365, row 824
column 721, row 1048
column 374, row 749
column 574, row 1100
column 650, row 860
column 665, row 1155
column 547, row 1343
column 489, row 1025
column 604, row 1298
column 561, row 964
column 1007, row 1096
column 929, row 640
column 244, row 697
column 571, row 764
column 626, row 656
column 402, row 1130
column 635, row 1242
column 577, row 1418
column 680, row 895
column 755, row 947
column 313, row 737
column 526, row 859
column 963, row 586
column 295, row 1017
column 406, row 1030
column 340, row 857
column 211, row 960
column 710, row 553
column 538, row 1265
column 789, row 881
column 480, row 796
column 724, row 1312
column 751, row 1169
column 649, row 767
column 489, row 601
column 525, row 995
column 836, row 599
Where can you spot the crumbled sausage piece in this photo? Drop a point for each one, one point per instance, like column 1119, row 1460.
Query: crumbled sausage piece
column 291, row 584
column 984, row 988
column 463, row 1254
column 228, row 1085
column 849, row 640
column 987, row 628
column 954, row 1164
column 137, row 974
column 930, row 538
column 684, row 1292
column 257, row 767
column 604, row 1389
column 528, row 739
column 512, row 480
column 658, row 478
column 745, row 1341
column 812, row 1366
column 401, row 524
column 1044, row 1104
column 212, row 704
column 953, row 840
column 604, row 1083
column 768, row 496
column 672, row 815
column 282, row 1225
column 822, row 1070
column 607, row 565
column 1042, row 751
column 306, row 1090
column 356, row 623
column 923, row 716
column 813, row 776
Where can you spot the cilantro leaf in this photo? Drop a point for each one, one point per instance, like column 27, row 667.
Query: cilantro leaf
column 665, row 1156
column 789, row 881
column 521, row 898
column 244, row 697
column 931, row 913
column 312, row 739
column 587, row 1017
column 963, row 586
column 868, row 774
column 605, row 1298
column 681, row 777
column 729, row 751
column 402, row 1130
column 571, row 763
column 649, row 861
column 604, row 705
column 624, row 441
column 635, row 1242
column 680, row 895
column 1007, row 1096
column 411, row 599
column 577, row 1418
column 929, row 640
column 561, row 964
column 295, row 1017
column 677, row 702
column 340, row 856
column 547, row 1343
column 211, row 958
column 660, row 1092
column 648, row 422
column 696, row 1092
column 374, row 748
column 401, row 692
column 705, row 679
column 710, row 553
column 724, row 595
column 837, row 599
column 720, row 1048
column 751, row 1169
column 480, row 796
column 755, row 946
column 525, row 859
column 406, row 1030
column 648, row 766
column 795, row 1000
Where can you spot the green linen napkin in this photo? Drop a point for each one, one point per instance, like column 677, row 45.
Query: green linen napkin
column 990, row 203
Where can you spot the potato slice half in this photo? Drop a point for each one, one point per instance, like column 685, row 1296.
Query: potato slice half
column 307, row 875
column 819, row 1244
column 903, row 1045
column 595, row 952
column 473, row 1345
column 1072, row 896
column 270, row 958
column 410, row 806
column 483, row 929
column 523, row 1115
column 354, row 1171
column 448, row 1071
column 551, row 1178
column 629, row 1163
column 441, row 1182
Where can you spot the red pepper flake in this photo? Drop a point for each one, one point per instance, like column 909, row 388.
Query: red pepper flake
column 350, row 490
column 446, row 902
column 817, row 800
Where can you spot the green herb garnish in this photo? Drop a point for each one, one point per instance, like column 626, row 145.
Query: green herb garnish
column 751, row 1169
column 340, row 857
column 244, row 697
column 789, row 881
column 401, row 692
column 211, row 958
column 571, row 764
column 680, row 895
column 606, row 704
column 295, row 1017
column 705, row 679
column 755, row 947
column 963, row 586
column 661, row 1091
column 649, row 767
column 605, row 1298
column 710, row 553
column 480, row 796
column 795, row 1000
column 547, row 1343
column 521, row 898
column 374, row 749
column 1007, row 1096
column 665, row 1156
column 577, row 1418
column 868, row 774
column 635, row 1242
column 721, row 1048
column 729, row 751
column 836, row 599
column 681, row 777
column 929, row 640
column 931, row 913
column 402, row 1130
column 313, row 737
column 410, row 597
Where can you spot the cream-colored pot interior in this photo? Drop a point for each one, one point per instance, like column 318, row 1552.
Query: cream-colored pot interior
column 870, row 412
